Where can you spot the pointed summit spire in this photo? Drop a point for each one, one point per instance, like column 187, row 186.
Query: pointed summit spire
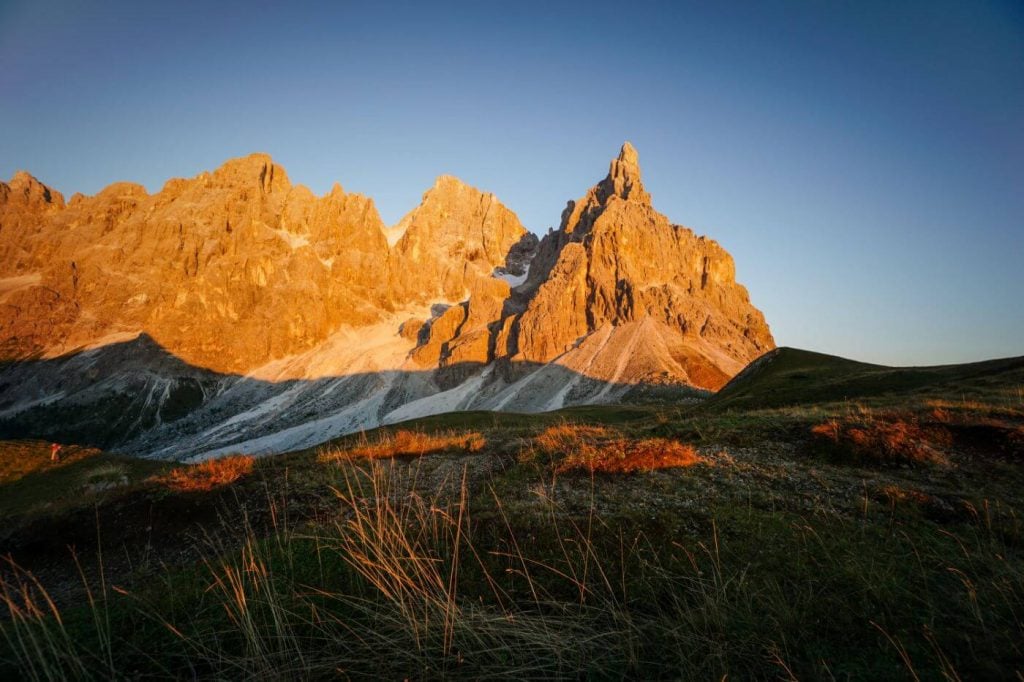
column 622, row 182
column 628, row 156
column 624, row 176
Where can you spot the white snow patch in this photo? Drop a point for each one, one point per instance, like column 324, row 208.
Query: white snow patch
column 514, row 280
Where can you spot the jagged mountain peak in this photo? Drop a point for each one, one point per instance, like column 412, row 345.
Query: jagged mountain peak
column 22, row 178
column 446, row 180
column 615, row 261
column 628, row 154
column 120, row 189
column 258, row 168
column 235, row 267
column 26, row 188
column 445, row 189
column 624, row 175
column 623, row 180
column 452, row 218
column 238, row 273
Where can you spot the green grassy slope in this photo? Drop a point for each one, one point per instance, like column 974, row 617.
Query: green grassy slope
column 30, row 483
column 775, row 553
column 789, row 376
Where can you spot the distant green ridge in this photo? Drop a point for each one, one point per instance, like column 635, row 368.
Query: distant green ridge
column 790, row 376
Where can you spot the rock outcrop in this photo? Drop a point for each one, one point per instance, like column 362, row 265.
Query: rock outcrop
column 226, row 270
column 456, row 236
column 242, row 276
column 614, row 260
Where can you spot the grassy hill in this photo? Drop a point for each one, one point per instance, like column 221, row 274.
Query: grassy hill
column 818, row 518
column 789, row 376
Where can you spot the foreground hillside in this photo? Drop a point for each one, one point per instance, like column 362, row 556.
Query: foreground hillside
column 813, row 532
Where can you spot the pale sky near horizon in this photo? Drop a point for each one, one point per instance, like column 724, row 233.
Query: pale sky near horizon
column 862, row 161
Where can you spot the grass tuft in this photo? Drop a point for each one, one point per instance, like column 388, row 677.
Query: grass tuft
column 884, row 440
column 598, row 449
column 210, row 474
column 406, row 443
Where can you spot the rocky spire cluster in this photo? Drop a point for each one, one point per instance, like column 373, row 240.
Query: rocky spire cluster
column 238, row 267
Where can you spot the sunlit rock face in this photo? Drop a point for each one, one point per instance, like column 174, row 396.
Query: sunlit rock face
column 226, row 270
column 615, row 260
column 234, row 268
column 249, row 288
column 457, row 236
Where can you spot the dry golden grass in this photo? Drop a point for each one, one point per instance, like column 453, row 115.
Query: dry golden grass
column 599, row 449
column 969, row 411
column 564, row 437
column 963, row 405
column 401, row 585
column 622, row 456
column 210, row 474
column 892, row 440
column 18, row 458
column 405, row 443
column 896, row 494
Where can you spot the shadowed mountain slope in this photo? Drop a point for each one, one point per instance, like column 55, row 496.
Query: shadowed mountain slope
column 135, row 397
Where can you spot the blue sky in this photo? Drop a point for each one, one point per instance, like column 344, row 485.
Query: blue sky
column 863, row 161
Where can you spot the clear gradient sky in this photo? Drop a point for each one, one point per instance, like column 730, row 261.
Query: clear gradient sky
column 862, row 161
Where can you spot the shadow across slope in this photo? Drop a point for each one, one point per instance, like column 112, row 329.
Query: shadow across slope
column 135, row 397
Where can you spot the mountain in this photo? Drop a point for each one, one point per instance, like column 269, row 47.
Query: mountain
column 228, row 270
column 236, row 311
column 666, row 299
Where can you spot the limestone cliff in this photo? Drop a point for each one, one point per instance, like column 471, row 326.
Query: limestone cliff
column 226, row 270
column 234, row 268
column 615, row 260
column 457, row 235
column 236, row 310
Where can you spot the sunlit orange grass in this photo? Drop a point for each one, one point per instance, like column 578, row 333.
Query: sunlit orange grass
column 599, row 449
column 564, row 437
column 406, row 443
column 210, row 474
column 18, row 458
column 624, row 456
column 893, row 441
